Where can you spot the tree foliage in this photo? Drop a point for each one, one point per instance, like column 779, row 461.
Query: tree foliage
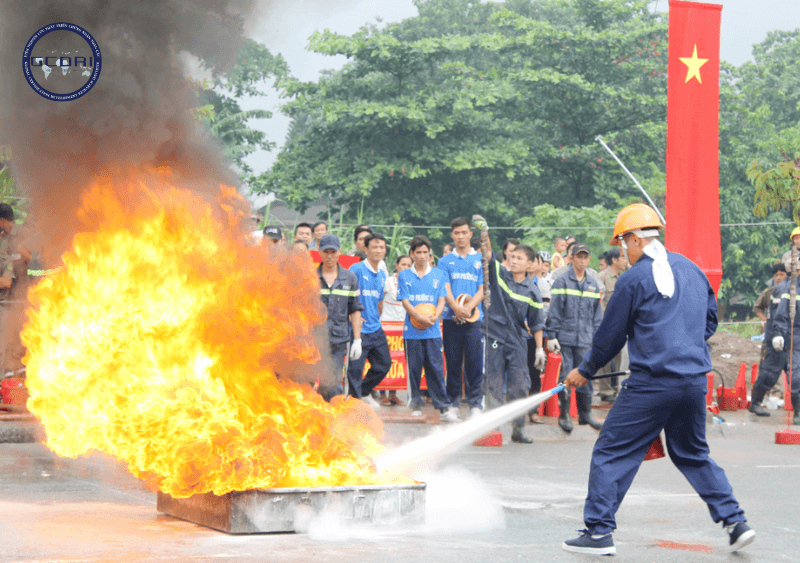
column 220, row 108
column 479, row 106
column 549, row 221
column 759, row 111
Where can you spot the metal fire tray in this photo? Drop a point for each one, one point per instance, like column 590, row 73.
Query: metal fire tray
column 290, row 509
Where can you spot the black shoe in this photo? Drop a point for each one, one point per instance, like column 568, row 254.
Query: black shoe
column 740, row 535
column 758, row 409
column 586, row 544
column 796, row 408
column 607, row 398
column 585, row 411
column 521, row 438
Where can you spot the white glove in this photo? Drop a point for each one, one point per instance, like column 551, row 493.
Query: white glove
column 553, row 345
column 355, row 349
column 777, row 343
column 540, row 360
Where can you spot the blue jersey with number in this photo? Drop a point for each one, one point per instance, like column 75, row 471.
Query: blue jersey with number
column 464, row 274
column 371, row 284
column 427, row 289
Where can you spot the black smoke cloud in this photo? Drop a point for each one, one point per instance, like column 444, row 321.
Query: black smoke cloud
column 139, row 112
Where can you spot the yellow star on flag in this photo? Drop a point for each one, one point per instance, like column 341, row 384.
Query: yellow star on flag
column 693, row 65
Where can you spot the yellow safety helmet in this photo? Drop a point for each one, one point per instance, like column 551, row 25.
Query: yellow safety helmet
column 795, row 232
column 636, row 216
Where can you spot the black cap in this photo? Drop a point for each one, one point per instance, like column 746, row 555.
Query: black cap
column 273, row 232
column 329, row 242
column 580, row 247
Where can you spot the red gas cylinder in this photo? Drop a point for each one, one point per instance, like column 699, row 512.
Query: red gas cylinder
column 13, row 391
column 550, row 380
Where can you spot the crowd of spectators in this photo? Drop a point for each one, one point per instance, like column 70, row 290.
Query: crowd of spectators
column 540, row 299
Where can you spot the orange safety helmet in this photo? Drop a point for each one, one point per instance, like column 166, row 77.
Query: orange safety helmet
column 635, row 216
column 795, row 232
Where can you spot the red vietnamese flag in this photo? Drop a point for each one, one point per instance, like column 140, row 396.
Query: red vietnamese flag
column 693, row 135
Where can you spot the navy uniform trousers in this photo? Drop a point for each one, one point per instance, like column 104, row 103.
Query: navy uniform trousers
column 772, row 365
column 375, row 348
column 463, row 346
column 645, row 406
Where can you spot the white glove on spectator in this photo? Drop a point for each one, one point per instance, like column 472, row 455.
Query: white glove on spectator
column 355, row 349
column 553, row 345
column 540, row 359
column 777, row 343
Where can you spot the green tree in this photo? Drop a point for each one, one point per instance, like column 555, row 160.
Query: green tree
column 477, row 106
column 758, row 120
column 8, row 190
column 221, row 111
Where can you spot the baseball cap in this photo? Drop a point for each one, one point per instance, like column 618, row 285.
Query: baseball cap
column 272, row 232
column 580, row 247
column 329, row 242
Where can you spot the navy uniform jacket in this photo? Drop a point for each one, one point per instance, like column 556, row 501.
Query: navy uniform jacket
column 575, row 311
column 342, row 300
column 774, row 301
column 666, row 336
column 512, row 304
column 780, row 320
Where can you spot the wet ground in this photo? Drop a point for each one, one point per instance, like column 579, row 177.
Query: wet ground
column 512, row 503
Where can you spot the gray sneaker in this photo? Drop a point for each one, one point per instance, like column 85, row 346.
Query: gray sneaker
column 741, row 535
column 585, row 543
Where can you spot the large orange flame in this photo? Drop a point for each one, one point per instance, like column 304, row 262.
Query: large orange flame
column 165, row 340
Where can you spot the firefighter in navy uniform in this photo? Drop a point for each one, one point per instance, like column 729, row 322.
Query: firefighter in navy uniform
column 772, row 361
column 516, row 311
column 666, row 308
column 574, row 315
column 783, row 337
column 341, row 296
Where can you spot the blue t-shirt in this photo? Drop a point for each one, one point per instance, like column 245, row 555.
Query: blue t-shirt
column 464, row 274
column 427, row 289
column 371, row 285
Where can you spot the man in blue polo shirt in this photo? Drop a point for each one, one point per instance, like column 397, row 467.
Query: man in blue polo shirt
column 463, row 343
column 374, row 346
column 417, row 285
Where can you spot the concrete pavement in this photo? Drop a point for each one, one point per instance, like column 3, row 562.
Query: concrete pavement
column 513, row 503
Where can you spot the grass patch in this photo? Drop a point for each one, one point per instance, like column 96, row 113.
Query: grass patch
column 743, row 330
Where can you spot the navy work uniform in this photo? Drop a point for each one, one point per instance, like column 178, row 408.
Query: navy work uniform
column 342, row 299
column 374, row 345
column 575, row 313
column 463, row 343
column 774, row 361
column 781, row 327
column 666, row 390
column 423, row 347
column 513, row 305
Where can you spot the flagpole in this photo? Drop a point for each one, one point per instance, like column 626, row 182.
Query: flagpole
column 653, row 205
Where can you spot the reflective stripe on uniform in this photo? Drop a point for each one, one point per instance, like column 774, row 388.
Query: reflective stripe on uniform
column 504, row 286
column 342, row 292
column 39, row 273
column 786, row 296
column 576, row 293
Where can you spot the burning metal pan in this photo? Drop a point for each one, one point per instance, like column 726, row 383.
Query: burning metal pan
column 290, row 509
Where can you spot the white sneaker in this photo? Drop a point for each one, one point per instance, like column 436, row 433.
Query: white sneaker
column 416, row 413
column 449, row 416
column 371, row 402
column 474, row 412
